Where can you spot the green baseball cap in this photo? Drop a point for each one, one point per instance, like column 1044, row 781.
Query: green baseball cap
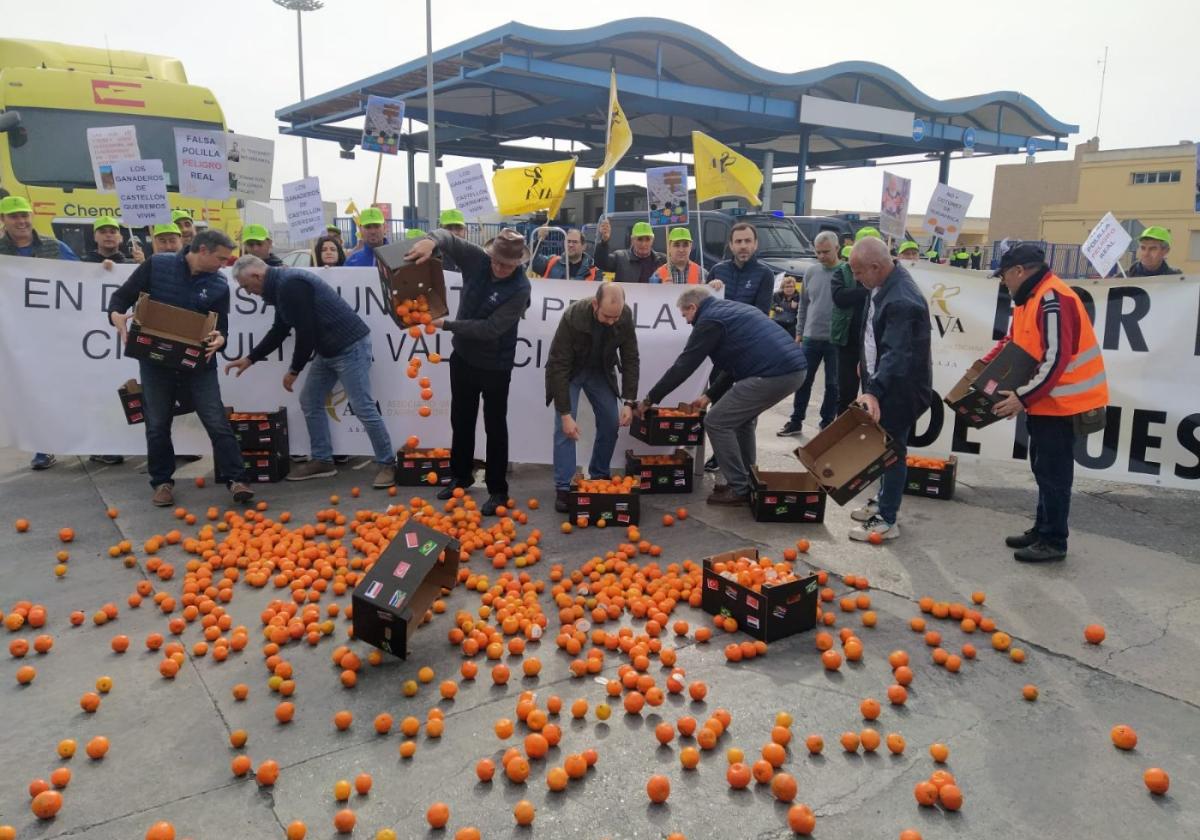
column 255, row 233
column 176, row 215
column 333, row 228
column 863, row 233
column 908, row 245
column 679, row 234
column 452, row 217
column 642, row 229
column 163, row 230
column 1152, row 232
column 846, row 249
column 14, row 204
column 106, row 221
column 371, row 216
column 413, row 233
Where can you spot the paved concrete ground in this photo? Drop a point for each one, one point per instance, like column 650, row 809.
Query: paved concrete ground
column 1044, row 769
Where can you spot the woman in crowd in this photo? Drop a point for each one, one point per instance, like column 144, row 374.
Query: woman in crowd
column 784, row 304
column 328, row 252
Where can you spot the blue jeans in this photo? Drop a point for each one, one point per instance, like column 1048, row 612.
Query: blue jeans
column 1052, row 459
column 353, row 369
column 604, row 406
column 816, row 351
column 891, row 485
column 159, row 386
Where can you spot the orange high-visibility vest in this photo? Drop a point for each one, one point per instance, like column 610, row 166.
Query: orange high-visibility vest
column 1083, row 384
column 663, row 273
column 556, row 259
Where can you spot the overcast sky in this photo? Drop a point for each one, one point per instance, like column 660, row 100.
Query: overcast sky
column 245, row 51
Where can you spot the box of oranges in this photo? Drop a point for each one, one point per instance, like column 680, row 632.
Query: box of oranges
column 786, row 496
column 671, row 473
column 417, row 467
column 931, row 477
column 266, row 466
column 262, row 437
column 769, row 601
column 663, row 426
column 416, row 294
column 611, row 501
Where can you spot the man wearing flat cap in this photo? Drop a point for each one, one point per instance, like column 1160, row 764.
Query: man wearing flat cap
column 495, row 294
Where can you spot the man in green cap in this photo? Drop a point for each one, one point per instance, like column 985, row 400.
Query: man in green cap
column 413, row 233
column 167, row 239
column 578, row 264
column 909, row 251
column 187, row 227
column 1153, row 246
column 256, row 241
column 635, row 264
column 372, row 226
column 453, row 221
column 106, row 232
column 21, row 240
column 679, row 267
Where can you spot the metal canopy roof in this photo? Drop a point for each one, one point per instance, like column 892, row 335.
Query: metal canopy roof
column 517, row 82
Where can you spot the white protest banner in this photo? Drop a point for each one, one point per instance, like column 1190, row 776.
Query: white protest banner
column 470, row 191
column 142, row 191
column 667, row 195
column 302, row 206
column 201, row 158
column 60, row 305
column 384, row 122
column 109, row 143
column 893, row 205
column 250, row 161
column 1105, row 244
column 946, row 213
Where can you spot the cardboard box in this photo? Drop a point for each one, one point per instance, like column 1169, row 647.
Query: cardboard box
column 658, row 430
column 402, row 280
column 675, row 477
column 615, row 508
column 266, row 466
column 413, row 468
column 130, row 395
column 848, row 454
column 786, row 497
column 168, row 335
column 931, row 483
column 257, row 431
column 978, row 391
column 393, row 595
column 774, row 613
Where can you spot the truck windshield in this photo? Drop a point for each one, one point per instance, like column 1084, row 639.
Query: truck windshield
column 50, row 148
column 781, row 241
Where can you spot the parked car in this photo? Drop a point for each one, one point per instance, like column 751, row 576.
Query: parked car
column 810, row 226
column 298, row 259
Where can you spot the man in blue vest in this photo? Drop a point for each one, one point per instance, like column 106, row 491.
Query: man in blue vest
column 495, row 294
column 191, row 280
column 755, row 366
column 371, row 225
column 745, row 278
column 327, row 328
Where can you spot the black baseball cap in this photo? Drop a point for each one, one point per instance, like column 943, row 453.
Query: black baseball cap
column 1022, row 253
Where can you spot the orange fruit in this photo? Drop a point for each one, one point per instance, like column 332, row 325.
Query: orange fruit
column 939, row 752
column 1157, row 781
column 240, row 765
column 658, row 789
column 870, row 740
column 850, row 741
column 383, row 723
column 25, row 674
column 870, row 709
column 46, row 804
column 1123, row 737
column 910, row 834
column 815, row 744
column 762, row 771
column 268, row 773
column 296, row 830
column 517, row 770
column 783, row 787
column 926, row 793
column 801, row 820
column 523, row 812
column 1094, row 633
column 362, row 783
column 895, row 743
column 61, row 777
column 832, row 660
column 1030, row 692
column 950, row 796
column 342, row 720
column 557, row 779
column 485, row 769
column 97, row 748
column 285, row 711
column 738, row 776
column 344, row 820
column 438, row 815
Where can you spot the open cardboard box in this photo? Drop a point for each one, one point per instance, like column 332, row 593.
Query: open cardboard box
column 168, row 335
column 657, row 429
column 403, row 280
column 974, row 396
column 848, row 454
column 786, row 496
column 774, row 613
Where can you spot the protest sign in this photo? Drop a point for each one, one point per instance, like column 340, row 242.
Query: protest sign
column 1105, row 244
column 201, row 158
column 109, row 143
column 667, row 195
column 142, row 191
column 893, row 205
column 946, row 213
column 381, row 130
column 302, row 206
column 250, row 161
column 470, row 191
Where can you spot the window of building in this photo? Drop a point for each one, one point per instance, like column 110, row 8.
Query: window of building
column 1194, row 246
column 1167, row 177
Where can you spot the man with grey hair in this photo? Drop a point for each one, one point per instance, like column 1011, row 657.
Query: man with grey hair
column 814, row 333
column 897, row 372
column 756, row 365
column 338, row 342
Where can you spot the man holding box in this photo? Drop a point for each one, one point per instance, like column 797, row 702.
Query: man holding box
column 1066, row 396
column 326, row 326
column 192, row 280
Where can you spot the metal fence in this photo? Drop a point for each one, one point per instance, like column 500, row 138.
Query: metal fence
column 477, row 232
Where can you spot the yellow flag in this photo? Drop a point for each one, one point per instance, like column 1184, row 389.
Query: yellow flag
column 527, row 189
column 352, row 209
column 721, row 172
column 619, row 136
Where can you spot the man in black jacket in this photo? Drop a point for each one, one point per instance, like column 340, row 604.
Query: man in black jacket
column 897, row 372
column 595, row 338
column 636, row 264
column 1153, row 246
column 106, row 232
column 495, row 295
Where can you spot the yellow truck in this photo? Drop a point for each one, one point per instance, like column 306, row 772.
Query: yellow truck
column 51, row 94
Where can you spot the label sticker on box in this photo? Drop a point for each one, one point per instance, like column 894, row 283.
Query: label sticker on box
column 397, row 598
column 731, row 592
column 779, row 612
column 712, row 583
column 752, row 621
column 373, row 590
column 402, row 569
column 751, row 602
column 411, row 540
column 428, row 548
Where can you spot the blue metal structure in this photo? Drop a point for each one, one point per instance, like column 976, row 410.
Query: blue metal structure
column 517, row 82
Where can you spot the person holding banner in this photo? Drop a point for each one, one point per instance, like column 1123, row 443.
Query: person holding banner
column 578, row 265
column 338, row 342
column 636, row 264
column 182, row 219
column 494, row 297
column 679, row 267
column 1066, row 397
column 755, row 366
column 106, row 232
column 257, row 242
column 1153, row 246
column 190, row 280
column 372, row 226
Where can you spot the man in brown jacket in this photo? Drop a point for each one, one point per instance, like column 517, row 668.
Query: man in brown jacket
column 595, row 338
